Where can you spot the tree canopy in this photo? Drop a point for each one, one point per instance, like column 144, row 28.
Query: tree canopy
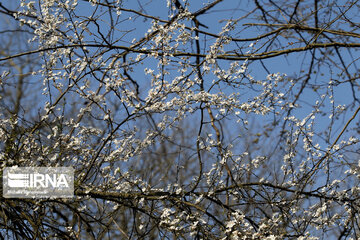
column 183, row 119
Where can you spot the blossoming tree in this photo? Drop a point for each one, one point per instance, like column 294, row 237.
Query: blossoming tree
column 184, row 119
